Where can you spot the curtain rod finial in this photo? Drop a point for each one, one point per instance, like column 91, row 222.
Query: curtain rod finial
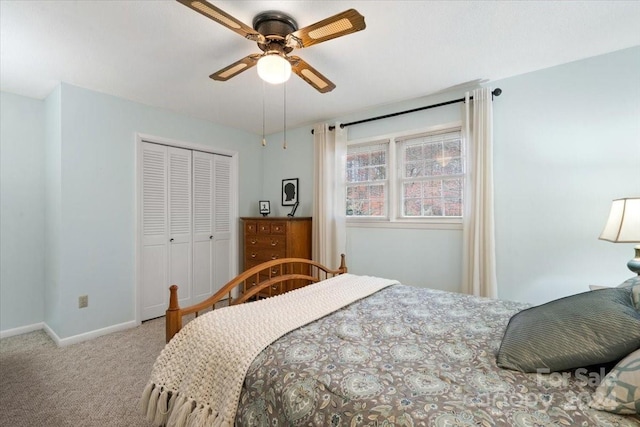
column 497, row 92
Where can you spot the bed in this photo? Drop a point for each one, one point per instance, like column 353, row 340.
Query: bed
column 359, row 351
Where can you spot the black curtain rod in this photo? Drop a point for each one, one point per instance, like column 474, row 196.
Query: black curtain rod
column 495, row 92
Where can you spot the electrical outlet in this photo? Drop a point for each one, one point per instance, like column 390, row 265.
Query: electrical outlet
column 83, row 301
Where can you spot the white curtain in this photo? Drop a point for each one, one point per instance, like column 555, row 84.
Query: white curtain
column 329, row 204
column 479, row 266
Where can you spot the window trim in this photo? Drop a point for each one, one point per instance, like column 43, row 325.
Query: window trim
column 393, row 218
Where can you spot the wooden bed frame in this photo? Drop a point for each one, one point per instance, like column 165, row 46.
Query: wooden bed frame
column 262, row 281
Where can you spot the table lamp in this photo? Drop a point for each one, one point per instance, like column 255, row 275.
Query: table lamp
column 623, row 226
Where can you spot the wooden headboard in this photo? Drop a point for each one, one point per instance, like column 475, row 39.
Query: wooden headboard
column 262, row 281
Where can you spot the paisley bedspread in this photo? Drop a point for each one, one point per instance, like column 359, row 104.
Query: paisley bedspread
column 409, row 356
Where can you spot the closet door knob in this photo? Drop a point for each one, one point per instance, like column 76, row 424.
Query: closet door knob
column 171, row 239
column 211, row 237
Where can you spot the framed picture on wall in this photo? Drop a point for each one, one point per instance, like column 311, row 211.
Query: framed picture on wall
column 265, row 207
column 289, row 191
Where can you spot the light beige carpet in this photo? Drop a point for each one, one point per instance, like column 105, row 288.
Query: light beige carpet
column 94, row 383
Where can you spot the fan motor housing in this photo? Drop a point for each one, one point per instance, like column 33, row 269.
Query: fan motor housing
column 274, row 26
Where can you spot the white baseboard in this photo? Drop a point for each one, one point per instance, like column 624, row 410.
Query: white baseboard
column 62, row 342
column 75, row 339
column 21, row 330
column 52, row 335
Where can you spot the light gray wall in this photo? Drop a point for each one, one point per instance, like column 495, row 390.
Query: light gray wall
column 566, row 142
column 87, row 145
column 98, row 198
column 296, row 161
column 22, row 226
column 53, row 208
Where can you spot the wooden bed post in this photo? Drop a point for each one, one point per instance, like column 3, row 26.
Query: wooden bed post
column 343, row 263
column 173, row 319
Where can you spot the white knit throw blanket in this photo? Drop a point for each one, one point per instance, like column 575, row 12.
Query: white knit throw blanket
column 197, row 379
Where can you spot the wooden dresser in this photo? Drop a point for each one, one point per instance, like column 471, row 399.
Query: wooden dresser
column 268, row 238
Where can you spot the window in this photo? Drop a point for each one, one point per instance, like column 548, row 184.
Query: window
column 431, row 175
column 367, row 178
column 425, row 184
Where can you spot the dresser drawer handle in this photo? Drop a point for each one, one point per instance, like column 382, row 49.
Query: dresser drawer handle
column 253, row 255
column 274, row 243
column 277, row 228
column 274, row 271
column 254, row 241
column 274, row 256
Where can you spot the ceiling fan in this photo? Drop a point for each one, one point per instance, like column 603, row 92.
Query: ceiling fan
column 277, row 34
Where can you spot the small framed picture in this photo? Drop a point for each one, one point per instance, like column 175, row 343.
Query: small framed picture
column 289, row 191
column 265, row 207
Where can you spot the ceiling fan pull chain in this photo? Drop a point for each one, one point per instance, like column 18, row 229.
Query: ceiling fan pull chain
column 284, row 144
column 264, row 141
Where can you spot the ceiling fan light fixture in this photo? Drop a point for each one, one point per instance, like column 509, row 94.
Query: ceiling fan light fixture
column 274, row 68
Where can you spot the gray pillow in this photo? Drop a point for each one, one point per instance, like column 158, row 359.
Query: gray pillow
column 591, row 328
column 633, row 284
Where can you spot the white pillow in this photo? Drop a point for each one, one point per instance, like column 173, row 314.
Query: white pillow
column 619, row 392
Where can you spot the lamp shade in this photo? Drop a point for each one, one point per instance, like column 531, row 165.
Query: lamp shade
column 623, row 225
column 274, row 69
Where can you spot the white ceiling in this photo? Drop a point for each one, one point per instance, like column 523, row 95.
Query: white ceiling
column 161, row 53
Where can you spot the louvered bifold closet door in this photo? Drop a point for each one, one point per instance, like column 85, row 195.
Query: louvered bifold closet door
column 203, row 245
column 153, row 271
column 222, row 222
column 188, row 234
column 180, row 227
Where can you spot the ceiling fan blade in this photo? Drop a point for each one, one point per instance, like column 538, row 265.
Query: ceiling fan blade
column 311, row 75
column 343, row 23
column 223, row 18
column 236, row 68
